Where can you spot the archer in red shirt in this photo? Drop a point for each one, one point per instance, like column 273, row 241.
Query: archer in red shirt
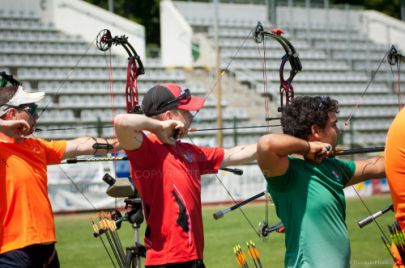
column 167, row 173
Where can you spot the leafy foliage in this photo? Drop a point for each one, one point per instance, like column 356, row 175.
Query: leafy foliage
column 391, row 8
column 145, row 13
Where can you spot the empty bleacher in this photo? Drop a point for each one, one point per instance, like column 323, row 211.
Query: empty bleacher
column 338, row 60
column 75, row 77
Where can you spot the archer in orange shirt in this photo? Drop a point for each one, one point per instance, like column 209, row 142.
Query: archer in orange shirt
column 27, row 230
column 395, row 169
column 395, row 165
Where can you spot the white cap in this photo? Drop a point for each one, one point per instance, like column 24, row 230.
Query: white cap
column 21, row 97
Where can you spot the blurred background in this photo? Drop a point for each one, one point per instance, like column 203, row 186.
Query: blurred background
column 207, row 46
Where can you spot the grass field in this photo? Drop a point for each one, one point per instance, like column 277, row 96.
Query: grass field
column 78, row 248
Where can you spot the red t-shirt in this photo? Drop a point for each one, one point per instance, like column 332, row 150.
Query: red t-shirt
column 26, row 216
column 168, row 179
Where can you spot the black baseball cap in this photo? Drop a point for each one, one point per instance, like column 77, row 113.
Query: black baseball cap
column 163, row 97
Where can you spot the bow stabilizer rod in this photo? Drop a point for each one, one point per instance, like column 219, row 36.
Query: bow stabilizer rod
column 371, row 218
column 219, row 214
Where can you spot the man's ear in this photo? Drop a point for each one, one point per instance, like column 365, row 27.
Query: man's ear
column 315, row 131
column 10, row 114
column 167, row 115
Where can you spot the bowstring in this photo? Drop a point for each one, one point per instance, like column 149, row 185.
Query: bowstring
column 374, row 73
column 397, row 80
column 219, row 78
column 67, row 78
column 231, row 196
column 58, row 91
column 108, row 60
column 267, row 114
column 361, row 98
column 216, row 81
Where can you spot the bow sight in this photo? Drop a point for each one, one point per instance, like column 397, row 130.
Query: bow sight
column 394, row 57
column 291, row 55
column 135, row 66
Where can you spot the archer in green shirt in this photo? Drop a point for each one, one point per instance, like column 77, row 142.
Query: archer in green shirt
column 307, row 190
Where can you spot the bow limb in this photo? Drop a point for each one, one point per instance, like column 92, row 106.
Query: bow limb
column 286, row 89
column 291, row 55
column 135, row 66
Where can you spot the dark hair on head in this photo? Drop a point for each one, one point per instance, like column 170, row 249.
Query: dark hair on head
column 7, row 93
column 303, row 112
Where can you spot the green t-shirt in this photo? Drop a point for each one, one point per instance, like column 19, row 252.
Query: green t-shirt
column 310, row 202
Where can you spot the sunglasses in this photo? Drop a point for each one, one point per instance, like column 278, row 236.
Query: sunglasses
column 185, row 94
column 31, row 108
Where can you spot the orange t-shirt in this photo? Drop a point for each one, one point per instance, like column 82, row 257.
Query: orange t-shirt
column 395, row 170
column 395, row 165
column 26, row 216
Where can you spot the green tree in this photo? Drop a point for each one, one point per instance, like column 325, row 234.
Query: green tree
column 391, row 7
column 144, row 12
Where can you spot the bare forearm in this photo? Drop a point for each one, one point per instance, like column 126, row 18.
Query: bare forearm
column 239, row 155
column 90, row 146
column 372, row 168
column 136, row 123
column 283, row 145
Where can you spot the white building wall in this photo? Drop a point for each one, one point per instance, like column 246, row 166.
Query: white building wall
column 77, row 17
column 175, row 37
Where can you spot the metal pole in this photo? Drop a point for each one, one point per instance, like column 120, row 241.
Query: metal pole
column 308, row 28
column 235, row 132
column 218, row 74
column 111, row 6
column 272, row 12
column 291, row 12
column 403, row 10
column 328, row 44
column 349, row 37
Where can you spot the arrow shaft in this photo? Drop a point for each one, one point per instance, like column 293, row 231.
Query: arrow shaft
column 359, row 151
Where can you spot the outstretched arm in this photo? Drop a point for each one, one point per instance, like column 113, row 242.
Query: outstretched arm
column 239, row 155
column 129, row 127
column 373, row 168
column 84, row 146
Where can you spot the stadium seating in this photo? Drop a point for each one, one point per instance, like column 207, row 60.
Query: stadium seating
column 74, row 75
column 329, row 68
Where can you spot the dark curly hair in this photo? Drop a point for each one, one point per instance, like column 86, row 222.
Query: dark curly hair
column 303, row 112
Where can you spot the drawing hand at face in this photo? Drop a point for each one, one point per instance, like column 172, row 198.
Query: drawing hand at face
column 170, row 131
column 318, row 151
column 15, row 128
